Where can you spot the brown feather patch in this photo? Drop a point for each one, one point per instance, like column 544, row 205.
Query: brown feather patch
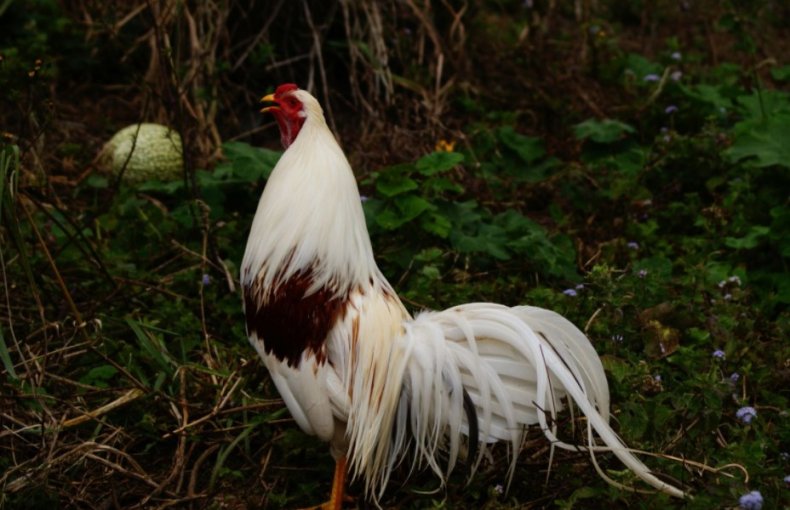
column 288, row 322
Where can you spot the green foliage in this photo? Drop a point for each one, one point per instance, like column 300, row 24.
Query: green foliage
column 425, row 195
column 604, row 131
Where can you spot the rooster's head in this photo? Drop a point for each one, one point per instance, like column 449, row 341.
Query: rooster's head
column 288, row 111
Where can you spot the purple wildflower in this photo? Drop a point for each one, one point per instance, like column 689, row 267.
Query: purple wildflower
column 206, row 279
column 570, row 292
column 751, row 501
column 746, row 414
column 734, row 377
column 787, row 480
column 580, row 286
column 657, row 378
column 727, row 296
column 642, row 273
column 363, row 198
column 651, row 77
column 632, row 245
column 734, row 279
column 499, row 489
column 718, row 353
column 676, row 75
column 669, row 110
column 676, row 56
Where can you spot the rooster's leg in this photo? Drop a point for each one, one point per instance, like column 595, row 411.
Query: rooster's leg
column 337, row 497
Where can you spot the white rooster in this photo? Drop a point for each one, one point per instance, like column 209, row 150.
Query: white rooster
column 356, row 370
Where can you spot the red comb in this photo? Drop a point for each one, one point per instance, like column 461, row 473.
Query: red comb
column 285, row 88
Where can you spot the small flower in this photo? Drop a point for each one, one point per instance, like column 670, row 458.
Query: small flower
column 751, row 501
column 652, row 77
column 580, row 286
column 364, row 198
column 676, row 56
column 676, row 75
column 499, row 489
column 206, row 279
column 617, row 338
column 642, row 273
column 734, row 279
column 721, row 284
column 734, row 377
column 718, row 353
column 746, row 414
column 669, row 110
column 657, row 378
column 570, row 292
column 785, row 456
column 632, row 245
column 727, row 296
column 445, row 146
column 787, row 480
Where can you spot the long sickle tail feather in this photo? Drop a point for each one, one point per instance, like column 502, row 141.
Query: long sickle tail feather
column 513, row 366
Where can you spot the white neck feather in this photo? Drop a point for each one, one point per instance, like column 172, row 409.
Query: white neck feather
column 310, row 215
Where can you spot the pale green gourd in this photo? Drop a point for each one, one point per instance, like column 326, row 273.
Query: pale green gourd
column 155, row 155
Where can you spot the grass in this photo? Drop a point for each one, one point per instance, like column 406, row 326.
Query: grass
column 625, row 166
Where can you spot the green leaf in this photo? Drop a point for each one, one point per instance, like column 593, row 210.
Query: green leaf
column 392, row 183
column 640, row 67
column 656, row 266
column 490, row 239
column 406, row 208
column 602, row 131
column 437, row 224
column 616, row 367
column 781, row 73
column 762, row 143
column 708, row 94
column 152, row 346
column 528, row 148
column 246, row 162
column 750, row 240
column 99, row 376
column 438, row 162
column 96, row 181
column 761, row 104
column 411, row 206
column 388, row 219
column 431, row 272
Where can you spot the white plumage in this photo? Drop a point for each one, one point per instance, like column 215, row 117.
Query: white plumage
column 359, row 372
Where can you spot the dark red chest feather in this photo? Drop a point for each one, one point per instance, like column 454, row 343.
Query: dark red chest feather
column 289, row 322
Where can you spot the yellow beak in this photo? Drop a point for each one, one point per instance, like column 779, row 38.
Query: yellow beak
column 268, row 99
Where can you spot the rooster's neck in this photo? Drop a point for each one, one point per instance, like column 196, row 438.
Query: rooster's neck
column 310, row 219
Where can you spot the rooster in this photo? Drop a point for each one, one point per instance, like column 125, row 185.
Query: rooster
column 357, row 370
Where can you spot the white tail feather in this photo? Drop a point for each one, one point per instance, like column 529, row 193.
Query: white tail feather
column 516, row 364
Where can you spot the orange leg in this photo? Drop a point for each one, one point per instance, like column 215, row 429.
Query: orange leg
column 337, row 497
